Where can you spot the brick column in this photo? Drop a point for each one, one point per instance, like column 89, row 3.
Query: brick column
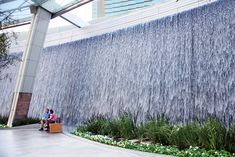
column 22, row 107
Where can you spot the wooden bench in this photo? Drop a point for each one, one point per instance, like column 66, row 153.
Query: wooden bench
column 55, row 127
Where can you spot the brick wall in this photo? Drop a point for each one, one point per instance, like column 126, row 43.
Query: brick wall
column 23, row 105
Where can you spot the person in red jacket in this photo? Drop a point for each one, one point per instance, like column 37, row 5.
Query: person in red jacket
column 52, row 118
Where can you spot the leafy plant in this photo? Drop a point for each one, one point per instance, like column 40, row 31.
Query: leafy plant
column 126, row 127
column 158, row 131
column 25, row 121
column 18, row 122
column 212, row 135
column 98, row 125
column 230, row 140
column 122, row 127
column 186, row 136
column 2, row 126
column 155, row 148
column 3, row 120
column 6, row 59
column 6, row 39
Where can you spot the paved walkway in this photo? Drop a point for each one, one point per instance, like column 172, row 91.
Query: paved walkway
column 29, row 142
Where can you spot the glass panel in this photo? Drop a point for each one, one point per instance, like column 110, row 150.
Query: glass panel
column 57, row 5
column 17, row 11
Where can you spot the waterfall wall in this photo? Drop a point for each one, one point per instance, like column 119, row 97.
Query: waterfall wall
column 8, row 76
column 180, row 66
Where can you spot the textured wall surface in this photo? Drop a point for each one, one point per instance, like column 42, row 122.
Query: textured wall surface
column 22, row 107
column 7, row 84
column 182, row 67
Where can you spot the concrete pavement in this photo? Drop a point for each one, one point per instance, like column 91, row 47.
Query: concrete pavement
column 29, row 142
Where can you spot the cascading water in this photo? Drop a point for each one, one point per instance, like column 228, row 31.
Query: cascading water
column 8, row 77
column 182, row 67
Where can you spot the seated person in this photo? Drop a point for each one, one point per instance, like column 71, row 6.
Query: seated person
column 51, row 119
column 45, row 116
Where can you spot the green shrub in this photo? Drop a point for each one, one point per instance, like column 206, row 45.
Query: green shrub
column 230, row 140
column 113, row 129
column 209, row 135
column 18, row 122
column 3, row 120
column 3, row 126
column 96, row 125
column 212, row 135
column 25, row 121
column 100, row 125
column 125, row 127
column 122, row 127
column 158, row 131
column 186, row 135
column 155, row 148
column 197, row 152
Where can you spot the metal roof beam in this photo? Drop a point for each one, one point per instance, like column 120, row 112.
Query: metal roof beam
column 6, row 1
column 83, row 2
column 73, row 19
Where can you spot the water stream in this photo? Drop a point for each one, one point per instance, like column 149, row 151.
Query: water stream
column 181, row 67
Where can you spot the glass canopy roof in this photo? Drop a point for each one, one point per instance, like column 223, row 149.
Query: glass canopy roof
column 18, row 11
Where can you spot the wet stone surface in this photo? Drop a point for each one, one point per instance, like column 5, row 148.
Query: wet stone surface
column 29, row 142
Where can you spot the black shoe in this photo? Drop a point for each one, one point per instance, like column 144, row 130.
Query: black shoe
column 41, row 129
